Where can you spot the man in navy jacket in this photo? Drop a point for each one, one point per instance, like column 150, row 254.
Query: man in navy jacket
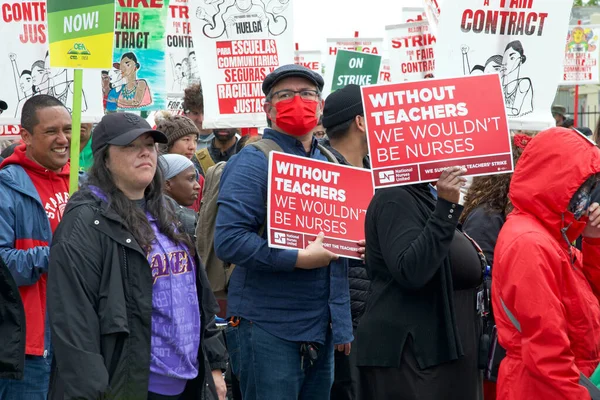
column 287, row 308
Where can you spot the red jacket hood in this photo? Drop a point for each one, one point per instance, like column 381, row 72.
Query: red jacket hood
column 19, row 158
column 553, row 166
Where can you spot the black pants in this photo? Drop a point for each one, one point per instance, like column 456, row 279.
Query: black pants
column 346, row 383
column 448, row 381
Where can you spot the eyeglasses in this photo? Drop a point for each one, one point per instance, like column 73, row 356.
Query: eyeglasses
column 287, row 95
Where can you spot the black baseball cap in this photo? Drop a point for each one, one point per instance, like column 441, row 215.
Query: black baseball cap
column 288, row 71
column 3, row 105
column 122, row 128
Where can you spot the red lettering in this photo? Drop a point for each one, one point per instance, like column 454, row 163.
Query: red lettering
column 310, row 65
column 34, row 11
column 142, row 3
column 179, row 12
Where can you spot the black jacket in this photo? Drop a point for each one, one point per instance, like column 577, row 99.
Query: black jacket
column 408, row 241
column 186, row 216
column 12, row 327
column 357, row 273
column 100, row 307
column 484, row 227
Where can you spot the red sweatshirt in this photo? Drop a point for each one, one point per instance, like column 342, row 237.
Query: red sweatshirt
column 53, row 190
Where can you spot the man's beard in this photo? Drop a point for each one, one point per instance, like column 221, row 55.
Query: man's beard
column 224, row 138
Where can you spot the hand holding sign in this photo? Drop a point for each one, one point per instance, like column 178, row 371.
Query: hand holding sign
column 315, row 255
column 448, row 187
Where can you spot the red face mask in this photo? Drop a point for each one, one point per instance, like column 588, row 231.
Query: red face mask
column 297, row 117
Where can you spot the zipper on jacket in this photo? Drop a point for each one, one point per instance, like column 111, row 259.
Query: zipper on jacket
column 126, row 276
column 127, row 296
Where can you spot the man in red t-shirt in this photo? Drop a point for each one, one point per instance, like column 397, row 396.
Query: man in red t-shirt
column 34, row 190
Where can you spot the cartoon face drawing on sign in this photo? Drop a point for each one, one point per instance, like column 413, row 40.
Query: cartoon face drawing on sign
column 581, row 40
column 193, row 74
column 39, row 80
column 493, row 64
column 242, row 18
column 518, row 91
column 134, row 92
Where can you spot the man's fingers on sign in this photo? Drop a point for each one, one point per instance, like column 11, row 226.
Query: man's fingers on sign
column 362, row 248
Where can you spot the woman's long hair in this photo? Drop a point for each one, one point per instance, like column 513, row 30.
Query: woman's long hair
column 134, row 219
column 491, row 192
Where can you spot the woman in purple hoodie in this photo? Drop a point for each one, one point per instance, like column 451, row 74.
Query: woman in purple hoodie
column 131, row 309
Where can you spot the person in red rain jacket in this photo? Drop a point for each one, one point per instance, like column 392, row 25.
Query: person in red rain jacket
column 545, row 291
column 34, row 190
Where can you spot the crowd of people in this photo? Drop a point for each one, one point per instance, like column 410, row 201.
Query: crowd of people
column 155, row 279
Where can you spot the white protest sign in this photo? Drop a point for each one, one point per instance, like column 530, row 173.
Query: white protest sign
column 411, row 48
column 412, row 14
column 174, row 106
column 25, row 66
column 432, row 12
column 181, row 58
column 385, row 74
column 242, row 41
column 581, row 56
column 520, row 39
column 311, row 59
column 361, row 45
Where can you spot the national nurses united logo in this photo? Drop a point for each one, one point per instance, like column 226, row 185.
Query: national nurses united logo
column 279, row 238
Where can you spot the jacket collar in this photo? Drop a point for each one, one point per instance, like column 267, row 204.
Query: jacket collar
column 115, row 226
column 289, row 141
column 15, row 176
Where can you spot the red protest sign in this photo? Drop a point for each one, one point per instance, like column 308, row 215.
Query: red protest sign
column 307, row 196
column 10, row 131
column 418, row 129
column 242, row 90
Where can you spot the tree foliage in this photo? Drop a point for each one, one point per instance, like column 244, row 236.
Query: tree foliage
column 580, row 3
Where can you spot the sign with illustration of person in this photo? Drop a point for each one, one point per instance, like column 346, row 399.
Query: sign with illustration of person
column 80, row 33
column 411, row 49
column 139, row 56
column 355, row 68
column 311, row 59
column 361, row 45
column 415, row 130
column 581, row 56
column 25, row 66
column 521, row 40
column 182, row 60
column 242, row 41
column 306, row 197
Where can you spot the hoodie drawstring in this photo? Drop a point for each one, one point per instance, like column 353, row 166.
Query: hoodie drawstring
column 563, row 232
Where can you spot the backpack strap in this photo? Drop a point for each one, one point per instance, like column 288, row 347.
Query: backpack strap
column 328, row 154
column 267, row 146
column 205, row 160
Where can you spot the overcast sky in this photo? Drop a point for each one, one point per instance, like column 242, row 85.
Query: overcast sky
column 317, row 20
